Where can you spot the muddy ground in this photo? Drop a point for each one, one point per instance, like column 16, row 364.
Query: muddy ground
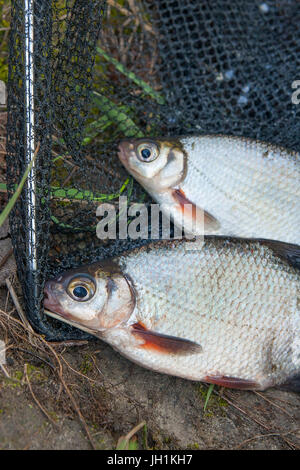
column 86, row 396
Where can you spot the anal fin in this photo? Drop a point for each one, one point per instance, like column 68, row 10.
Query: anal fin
column 164, row 343
column 231, row 382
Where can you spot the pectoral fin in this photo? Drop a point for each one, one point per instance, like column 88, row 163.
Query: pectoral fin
column 231, row 382
column 192, row 211
column 164, row 343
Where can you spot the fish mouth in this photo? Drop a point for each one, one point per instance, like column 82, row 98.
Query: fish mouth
column 124, row 148
column 121, row 152
column 53, row 309
column 50, row 301
column 125, row 151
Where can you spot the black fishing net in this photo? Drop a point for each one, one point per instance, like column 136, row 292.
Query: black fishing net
column 109, row 70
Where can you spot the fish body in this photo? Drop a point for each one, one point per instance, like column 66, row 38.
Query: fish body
column 227, row 313
column 241, row 187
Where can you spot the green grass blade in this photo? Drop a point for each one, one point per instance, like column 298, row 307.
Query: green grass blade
column 73, row 193
column 138, row 81
column 145, row 437
column 115, row 114
column 4, row 214
column 129, row 441
column 128, row 183
column 209, row 392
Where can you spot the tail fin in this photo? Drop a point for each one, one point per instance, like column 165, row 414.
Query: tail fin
column 286, row 251
column 292, row 384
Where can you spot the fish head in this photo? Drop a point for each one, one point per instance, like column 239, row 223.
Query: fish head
column 157, row 164
column 93, row 298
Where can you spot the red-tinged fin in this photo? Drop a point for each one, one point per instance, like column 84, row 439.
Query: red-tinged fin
column 231, row 382
column 190, row 209
column 164, row 343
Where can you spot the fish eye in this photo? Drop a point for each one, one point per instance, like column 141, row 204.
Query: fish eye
column 147, row 152
column 81, row 289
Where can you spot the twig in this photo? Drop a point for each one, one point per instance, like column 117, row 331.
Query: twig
column 19, row 309
column 60, row 375
column 35, row 399
column 74, row 169
column 6, row 257
column 123, row 10
column 272, row 403
column 36, row 356
column 80, row 373
column 6, row 300
column 123, row 441
column 252, row 418
column 133, row 15
column 130, row 40
column 70, row 342
column 267, row 435
column 2, row 366
column 28, row 328
column 134, row 430
column 138, row 17
column 242, row 411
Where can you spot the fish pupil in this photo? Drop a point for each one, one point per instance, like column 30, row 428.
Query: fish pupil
column 80, row 292
column 146, row 153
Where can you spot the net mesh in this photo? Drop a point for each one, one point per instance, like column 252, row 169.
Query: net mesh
column 108, row 70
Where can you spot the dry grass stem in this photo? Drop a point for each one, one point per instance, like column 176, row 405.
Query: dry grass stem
column 260, row 436
column 36, row 400
column 272, row 403
column 19, row 309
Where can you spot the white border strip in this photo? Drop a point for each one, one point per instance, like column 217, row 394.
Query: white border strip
column 30, row 144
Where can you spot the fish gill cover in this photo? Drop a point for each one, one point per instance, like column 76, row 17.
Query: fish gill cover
column 105, row 70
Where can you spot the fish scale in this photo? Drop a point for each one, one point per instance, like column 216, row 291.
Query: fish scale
column 238, row 320
column 248, row 188
column 227, row 313
column 253, row 189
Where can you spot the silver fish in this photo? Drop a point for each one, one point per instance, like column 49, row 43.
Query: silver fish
column 226, row 314
column 241, row 187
